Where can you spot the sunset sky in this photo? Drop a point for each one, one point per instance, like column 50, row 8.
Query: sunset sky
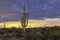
column 43, row 12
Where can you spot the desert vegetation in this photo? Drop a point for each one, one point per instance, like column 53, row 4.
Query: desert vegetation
column 46, row 33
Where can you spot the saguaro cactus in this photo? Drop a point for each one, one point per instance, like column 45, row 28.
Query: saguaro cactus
column 24, row 21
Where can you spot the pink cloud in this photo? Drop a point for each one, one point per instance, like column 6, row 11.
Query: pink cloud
column 7, row 16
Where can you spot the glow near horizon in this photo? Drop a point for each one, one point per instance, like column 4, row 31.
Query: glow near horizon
column 17, row 24
column 33, row 23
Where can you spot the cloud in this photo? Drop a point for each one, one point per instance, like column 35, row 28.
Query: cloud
column 7, row 16
column 37, row 8
column 34, row 23
column 48, row 21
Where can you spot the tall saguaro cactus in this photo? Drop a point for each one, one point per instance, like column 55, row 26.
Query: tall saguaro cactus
column 24, row 20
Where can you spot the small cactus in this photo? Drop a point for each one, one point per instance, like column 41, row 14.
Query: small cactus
column 4, row 25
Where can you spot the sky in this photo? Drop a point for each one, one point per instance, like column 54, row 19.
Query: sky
column 11, row 10
column 45, row 12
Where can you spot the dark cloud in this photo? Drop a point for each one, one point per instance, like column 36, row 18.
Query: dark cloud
column 38, row 9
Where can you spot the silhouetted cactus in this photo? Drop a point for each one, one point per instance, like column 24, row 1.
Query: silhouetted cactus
column 4, row 25
column 24, row 21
